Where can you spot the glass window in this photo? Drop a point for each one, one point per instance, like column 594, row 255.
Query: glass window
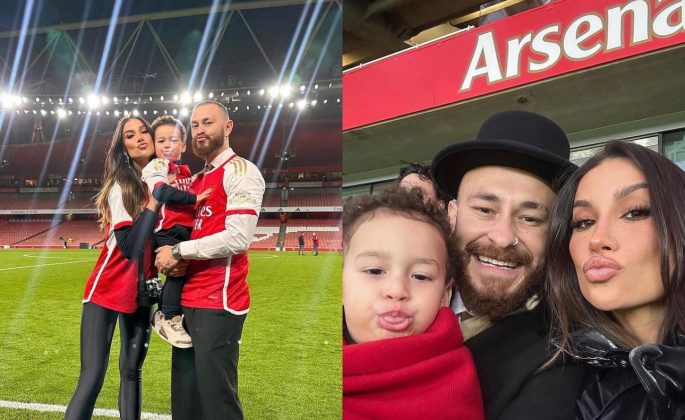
column 674, row 147
column 581, row 155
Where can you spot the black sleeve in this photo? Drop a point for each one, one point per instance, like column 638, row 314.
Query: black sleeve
column 131, row 239
column 169, row 195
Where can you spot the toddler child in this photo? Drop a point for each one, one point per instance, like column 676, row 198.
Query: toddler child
column 403, row 352
column 169, row 183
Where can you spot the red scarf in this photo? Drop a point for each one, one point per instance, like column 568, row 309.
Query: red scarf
column 429, row 376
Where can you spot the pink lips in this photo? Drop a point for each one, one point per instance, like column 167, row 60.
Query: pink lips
column 598, row 269
column 395, row 321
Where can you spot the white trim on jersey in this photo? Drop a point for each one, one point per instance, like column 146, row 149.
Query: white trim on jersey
column 110, row 251
column 224, row 293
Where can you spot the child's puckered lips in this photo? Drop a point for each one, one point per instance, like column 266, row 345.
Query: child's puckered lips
column 395, row 320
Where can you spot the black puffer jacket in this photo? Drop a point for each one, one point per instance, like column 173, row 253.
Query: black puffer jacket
column 645, row 383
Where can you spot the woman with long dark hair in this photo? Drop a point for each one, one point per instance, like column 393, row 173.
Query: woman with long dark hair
column 616, row 287
column 128, row 216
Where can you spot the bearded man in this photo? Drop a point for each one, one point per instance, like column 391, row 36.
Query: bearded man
column 215, row 298
column 503, row 186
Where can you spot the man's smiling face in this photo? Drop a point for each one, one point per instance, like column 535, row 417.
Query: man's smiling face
column 502, row 221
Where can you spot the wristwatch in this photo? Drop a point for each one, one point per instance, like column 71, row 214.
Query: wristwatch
column 176, row 252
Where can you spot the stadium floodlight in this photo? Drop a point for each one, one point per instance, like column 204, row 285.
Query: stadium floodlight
column 325, row 101
column 93, row 101
column 186, row 98
column 338, row 100
column 78, row 112
column 261, row 92
column 313, row 102
column 302, row 88
column 316, row 87
column 161, row 98
column 116, row 113
column 97, row 113
column 259, row 107
column 61, row 113
column 37, row 99
column 71, row 100
column 184, row 112
column 69, row 112
column 104, row 100
column 52, row 112
column 248, row 91
column 35, row 112
column 145, row 112
column 50, row 99
column 174, row 111
column 285, row 90
column 81, row 100
column 222, row 94
column 211, row 95
column 248, row 107
column 198, row 96
column 106, row 112
column 7, row 100
column 115, row 100
column 126, row 99
column 150, row 98
column 25, row 99
column 154, row 112
column 126, row 113
column 273, row 91
column 135, row 112
column 302, row 104
column 175, row 97
column 43, row 112
column 26, row 111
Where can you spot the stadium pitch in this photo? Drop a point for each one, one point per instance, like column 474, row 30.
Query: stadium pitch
column 290, row 357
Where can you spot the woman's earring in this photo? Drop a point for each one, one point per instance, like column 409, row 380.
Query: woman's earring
column 127, row 158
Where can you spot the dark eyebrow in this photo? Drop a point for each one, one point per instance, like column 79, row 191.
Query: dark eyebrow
column 485, row 196
column 625, row 191
column 532, row 205
column 581, row 203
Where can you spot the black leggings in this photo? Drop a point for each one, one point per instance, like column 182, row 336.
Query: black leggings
column 97, row 329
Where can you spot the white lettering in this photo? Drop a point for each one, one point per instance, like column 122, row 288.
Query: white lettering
column 550, row 49
column 639, row 27
column 205, row 211
column 485, row 50
column 661, row 25
column 514, row 47
column 198, row 224
column 573, row 39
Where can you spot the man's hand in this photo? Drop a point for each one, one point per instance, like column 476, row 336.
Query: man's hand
column 165, row 262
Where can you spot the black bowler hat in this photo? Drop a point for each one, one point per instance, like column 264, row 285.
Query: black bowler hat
column 518, row 139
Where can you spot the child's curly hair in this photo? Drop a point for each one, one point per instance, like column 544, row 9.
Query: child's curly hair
column 410, row 204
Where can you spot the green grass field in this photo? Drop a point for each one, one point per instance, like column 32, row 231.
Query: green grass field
column 290, row 356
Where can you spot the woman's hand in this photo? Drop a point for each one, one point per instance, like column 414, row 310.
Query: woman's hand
column 204, row 194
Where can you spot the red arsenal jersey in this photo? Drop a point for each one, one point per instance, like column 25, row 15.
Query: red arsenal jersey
column 170, row 215
column 113, row 283
column 220, row 283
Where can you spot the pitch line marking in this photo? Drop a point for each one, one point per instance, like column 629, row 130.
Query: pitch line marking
column 43, row 265
column 103, row 412
column 43, row 256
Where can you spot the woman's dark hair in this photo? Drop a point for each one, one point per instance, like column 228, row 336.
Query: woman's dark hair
column 410, row 204
column 120, row 168
column 569, row 309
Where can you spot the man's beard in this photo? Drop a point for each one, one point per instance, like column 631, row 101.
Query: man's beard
column 213, row 143
column 492, row 298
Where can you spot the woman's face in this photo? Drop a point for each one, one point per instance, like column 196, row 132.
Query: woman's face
column 138, row 140
column 614, row 245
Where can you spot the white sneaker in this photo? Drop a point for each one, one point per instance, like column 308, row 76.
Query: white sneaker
column 171, row 330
